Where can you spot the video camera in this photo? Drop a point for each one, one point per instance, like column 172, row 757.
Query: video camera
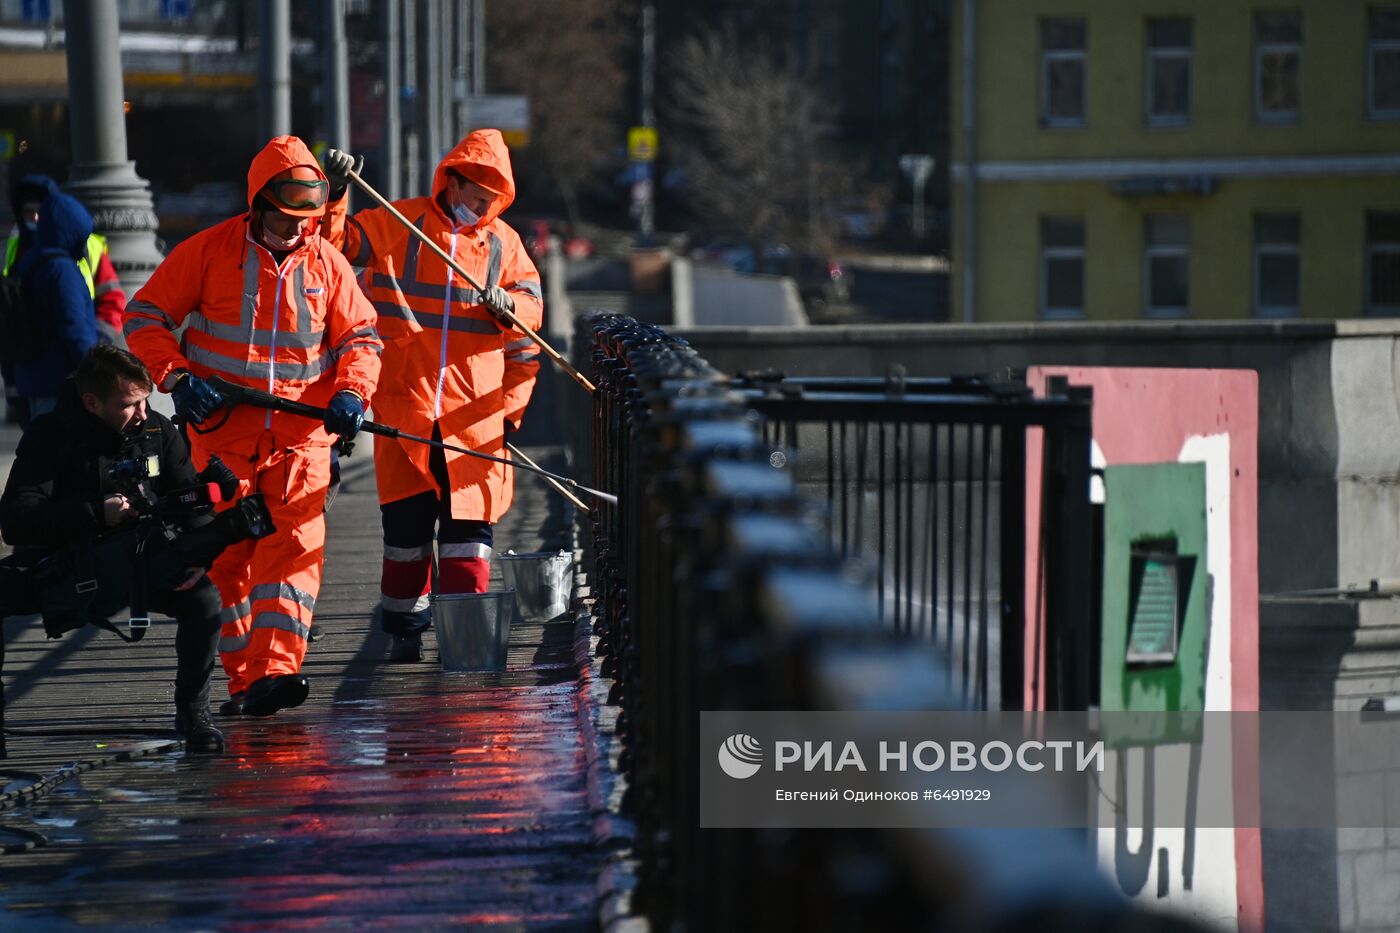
column 180, row 510
column 176, row 531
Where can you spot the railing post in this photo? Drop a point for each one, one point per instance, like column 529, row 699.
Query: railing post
column 1013, row 567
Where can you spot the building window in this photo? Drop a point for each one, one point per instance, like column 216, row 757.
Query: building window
column 1062, row 59
column 1383, row 64
column 1169, row 71
column 1061, row 267
column 1167, row 265
column 1276, row 265
column 1278, row 67
column 1383, row 263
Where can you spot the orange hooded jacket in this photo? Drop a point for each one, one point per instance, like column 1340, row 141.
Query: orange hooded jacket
column 446, row 360
column 301, row 331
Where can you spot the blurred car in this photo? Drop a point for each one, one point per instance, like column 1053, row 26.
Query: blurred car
column 535, row 233
column 184, row 213
column 821, row 280
column 859, row 218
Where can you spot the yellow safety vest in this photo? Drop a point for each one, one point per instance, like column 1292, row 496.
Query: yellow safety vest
column 92, row 255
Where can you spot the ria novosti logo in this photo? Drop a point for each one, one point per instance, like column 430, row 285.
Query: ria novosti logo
column 740, row 756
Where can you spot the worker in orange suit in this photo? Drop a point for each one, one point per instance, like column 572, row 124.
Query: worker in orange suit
column 266, row 303
column 452, row 370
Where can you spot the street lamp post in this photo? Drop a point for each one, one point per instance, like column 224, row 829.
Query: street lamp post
column 336, row 84
column 275, row 70
column 102, row 176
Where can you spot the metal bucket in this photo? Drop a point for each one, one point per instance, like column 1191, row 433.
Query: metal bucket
column 543, row 582
column 473, row 629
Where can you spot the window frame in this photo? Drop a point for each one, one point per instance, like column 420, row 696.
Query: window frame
column 1260, row 251
column 1049, row 254
column 1155, row 54
column 1372, row 309
column 1276, row 46
column 1374, row 48
column 1151, row 251
column 1049, row 56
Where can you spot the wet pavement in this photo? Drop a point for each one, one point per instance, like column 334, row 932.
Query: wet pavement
column 398, row 796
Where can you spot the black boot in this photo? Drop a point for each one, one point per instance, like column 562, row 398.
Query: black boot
column 407, row 648
column 201, row 738
column 267, row 695
column 233, row 706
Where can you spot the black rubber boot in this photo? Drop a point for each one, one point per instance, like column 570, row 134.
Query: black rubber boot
column 407, row 648
column 233, row 706
column 194, row 725
column 267, row 695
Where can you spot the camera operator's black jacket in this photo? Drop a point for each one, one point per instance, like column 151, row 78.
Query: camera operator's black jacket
column 54, row 495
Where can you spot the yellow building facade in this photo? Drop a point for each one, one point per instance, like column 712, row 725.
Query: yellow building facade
column 1202, row 159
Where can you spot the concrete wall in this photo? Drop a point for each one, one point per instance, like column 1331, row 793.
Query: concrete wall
column 706, row 295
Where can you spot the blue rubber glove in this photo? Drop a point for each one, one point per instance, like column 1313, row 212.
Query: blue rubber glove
column 195, row 399
column 344, row 415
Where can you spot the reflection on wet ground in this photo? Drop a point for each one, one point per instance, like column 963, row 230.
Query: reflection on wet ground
column 399, row 796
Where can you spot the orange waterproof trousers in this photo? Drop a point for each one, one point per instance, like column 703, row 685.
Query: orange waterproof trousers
column 269, row 586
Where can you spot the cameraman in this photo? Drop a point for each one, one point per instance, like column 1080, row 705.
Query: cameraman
column 61, row 495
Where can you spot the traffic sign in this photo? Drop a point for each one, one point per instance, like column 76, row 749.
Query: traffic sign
column 641, row 144
column 916, row 168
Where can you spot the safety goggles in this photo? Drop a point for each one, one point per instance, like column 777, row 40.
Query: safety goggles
column 298, row 195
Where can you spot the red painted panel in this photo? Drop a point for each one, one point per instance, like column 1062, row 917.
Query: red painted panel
column 1144, row 416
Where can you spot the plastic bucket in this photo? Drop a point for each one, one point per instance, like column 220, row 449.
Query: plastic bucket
column 473, row 629
column 543, row 582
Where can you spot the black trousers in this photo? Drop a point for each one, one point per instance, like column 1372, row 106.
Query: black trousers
column 196, row 615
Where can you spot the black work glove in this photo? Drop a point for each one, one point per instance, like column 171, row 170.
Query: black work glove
column 345, row 414
column 194, row 398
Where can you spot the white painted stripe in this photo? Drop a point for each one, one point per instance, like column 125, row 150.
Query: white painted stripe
column 408, row 604
column 465, row 550
column 1221, row 166
column 405, row 555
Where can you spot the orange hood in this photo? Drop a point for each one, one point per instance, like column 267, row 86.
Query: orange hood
column 482, row 156
column 280, row 154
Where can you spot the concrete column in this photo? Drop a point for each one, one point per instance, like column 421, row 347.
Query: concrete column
column 336, row 82
column 275, row 70
column 430, row 92
column 411, row 96
column 389, row 146
column 461, row 69
column 447, row 110
column 479, row 47
column 102, row 176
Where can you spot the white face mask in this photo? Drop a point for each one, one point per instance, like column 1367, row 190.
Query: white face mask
column 465, row 215
column 276, row 242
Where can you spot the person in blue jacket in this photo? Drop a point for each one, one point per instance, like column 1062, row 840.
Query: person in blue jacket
column 58, row 297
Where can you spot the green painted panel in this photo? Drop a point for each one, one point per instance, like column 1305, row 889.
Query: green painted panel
column 1155, row 613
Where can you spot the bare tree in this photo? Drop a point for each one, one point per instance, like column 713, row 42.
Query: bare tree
column 754, row 160
column 568, row 57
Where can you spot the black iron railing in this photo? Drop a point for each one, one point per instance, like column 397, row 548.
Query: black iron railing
column 926, row 479
column 724, row 579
